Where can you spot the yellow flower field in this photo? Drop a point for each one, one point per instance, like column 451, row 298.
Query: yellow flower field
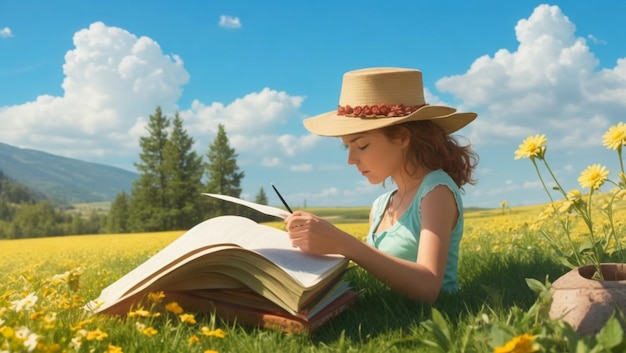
column 47, row 280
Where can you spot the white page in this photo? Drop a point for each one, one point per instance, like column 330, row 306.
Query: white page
column 268, row 210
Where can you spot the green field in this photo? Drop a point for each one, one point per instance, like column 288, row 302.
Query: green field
column 498, row 253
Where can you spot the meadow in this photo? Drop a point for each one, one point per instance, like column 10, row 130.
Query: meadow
column 47, row 281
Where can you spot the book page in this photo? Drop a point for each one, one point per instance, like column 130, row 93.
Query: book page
column 268, row 210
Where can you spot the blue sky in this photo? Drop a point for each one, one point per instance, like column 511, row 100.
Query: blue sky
column 80, row 78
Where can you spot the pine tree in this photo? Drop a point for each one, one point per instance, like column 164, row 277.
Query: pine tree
column 261, row 197
column 149, row 206
column 184, row 169
column 223, row 174
column 117, row 218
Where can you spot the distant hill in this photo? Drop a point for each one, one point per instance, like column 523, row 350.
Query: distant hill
column 62, row 179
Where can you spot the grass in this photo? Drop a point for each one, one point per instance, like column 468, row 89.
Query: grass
column 498, row 253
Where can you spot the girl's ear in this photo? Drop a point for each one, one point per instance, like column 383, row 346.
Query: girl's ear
column 404, row 137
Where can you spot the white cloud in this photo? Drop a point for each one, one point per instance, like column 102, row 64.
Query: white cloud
column 549, row 84
column 324, row 194
column 112, row 78
column 362, row 187
column 270, row 161
column 254, row 113
column 229, row 22
column 595, row 40
column 6, row 32
column 293, row 144
column 303, row 167
column 251, row 123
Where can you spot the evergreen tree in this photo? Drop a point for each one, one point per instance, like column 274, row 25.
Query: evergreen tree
column 223, row 174
column 149, row 205
column 184, row 169
column 261, row 197
column 117, row 219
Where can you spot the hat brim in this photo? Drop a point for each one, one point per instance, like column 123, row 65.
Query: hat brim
column 330, row 124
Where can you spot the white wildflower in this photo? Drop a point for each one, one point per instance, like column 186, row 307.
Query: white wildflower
column 25, row 303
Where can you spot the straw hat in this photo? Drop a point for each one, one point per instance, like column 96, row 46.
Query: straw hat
column 378, row 97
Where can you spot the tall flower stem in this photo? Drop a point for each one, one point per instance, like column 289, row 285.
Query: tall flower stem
column 621, row 162
column 588, row 221
column 543, row 183
column 585, row 214
column 556, row 181
column 613, row 232
column 563, row 225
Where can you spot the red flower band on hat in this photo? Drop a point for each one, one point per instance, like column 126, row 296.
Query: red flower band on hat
column 376, row 111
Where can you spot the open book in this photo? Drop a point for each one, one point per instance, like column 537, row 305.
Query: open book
column 240, row 270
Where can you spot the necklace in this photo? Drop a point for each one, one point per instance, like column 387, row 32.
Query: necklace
column 393, row 209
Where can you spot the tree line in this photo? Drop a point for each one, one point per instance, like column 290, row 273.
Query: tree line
column 25, row 213
column 166, row 196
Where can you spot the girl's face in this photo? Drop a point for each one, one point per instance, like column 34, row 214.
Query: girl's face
column 375, row 156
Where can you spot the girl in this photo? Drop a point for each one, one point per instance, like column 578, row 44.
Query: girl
column 415, row 230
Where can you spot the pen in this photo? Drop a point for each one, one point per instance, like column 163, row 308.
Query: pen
column 281, row 199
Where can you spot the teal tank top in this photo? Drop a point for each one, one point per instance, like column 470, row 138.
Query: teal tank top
column 402, row 239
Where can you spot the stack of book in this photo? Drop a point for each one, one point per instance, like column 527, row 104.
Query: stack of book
column 241, row 271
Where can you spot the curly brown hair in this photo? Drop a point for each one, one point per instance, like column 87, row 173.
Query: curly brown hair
column 432, row 148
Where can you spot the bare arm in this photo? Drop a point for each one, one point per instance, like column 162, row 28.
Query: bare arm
column 420, row 280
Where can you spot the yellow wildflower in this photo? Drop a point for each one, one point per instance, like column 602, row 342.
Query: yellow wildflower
column 546, row 213
column 620, row 194
column 97, row 335
column 37, row 315
column 210, row 351
column 574, row 195
column 519, row 344
column 188, row 318
column 149, row 331
column 615, row 137
column 174, row 308
column 140, row 312
column 193, row 339
column 7, row 332
column 114, row 349
column 532, row 147
column 156, row 297
column 573, row 198
column 50, row 320
column 80, row 325
column 219, row 333
column 593, row 176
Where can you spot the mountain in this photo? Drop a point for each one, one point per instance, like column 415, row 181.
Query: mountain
column 62, row 179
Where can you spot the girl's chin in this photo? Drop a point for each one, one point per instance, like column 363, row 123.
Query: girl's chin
column 373, row 181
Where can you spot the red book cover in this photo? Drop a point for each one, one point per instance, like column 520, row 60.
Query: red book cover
column 273, row 319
